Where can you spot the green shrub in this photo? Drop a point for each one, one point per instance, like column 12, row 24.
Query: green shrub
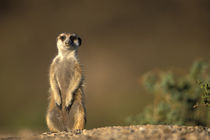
column 205, row 97
column 177, row 99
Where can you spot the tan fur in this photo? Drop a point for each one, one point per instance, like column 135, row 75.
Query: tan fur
column 66, row 110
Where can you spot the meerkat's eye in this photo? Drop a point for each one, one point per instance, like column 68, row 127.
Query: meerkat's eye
column 75, row 41
column 63, row 37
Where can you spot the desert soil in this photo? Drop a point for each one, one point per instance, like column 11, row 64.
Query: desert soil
column 137, row 132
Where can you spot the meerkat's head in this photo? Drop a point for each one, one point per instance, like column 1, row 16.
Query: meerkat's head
column 68, row 42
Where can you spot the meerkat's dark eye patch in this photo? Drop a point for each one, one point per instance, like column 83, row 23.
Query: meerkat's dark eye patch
column 72, row 38
column 75, row 41
column 63, row 37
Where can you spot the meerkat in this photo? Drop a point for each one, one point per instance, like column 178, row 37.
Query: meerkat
column 66, row 110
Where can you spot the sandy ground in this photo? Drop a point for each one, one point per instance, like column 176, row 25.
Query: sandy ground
column 143, row 132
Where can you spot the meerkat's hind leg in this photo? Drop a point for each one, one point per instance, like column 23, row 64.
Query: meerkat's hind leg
column 54, row 121
column 77, row 114
column 76, row 117
column 79, row 119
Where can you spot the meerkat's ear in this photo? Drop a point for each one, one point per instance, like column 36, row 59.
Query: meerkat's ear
column 75, row 40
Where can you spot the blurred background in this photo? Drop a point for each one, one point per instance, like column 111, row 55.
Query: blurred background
column 122, row 40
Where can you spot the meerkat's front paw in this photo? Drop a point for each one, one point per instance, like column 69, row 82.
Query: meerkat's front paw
column 68, row 106
column 58, row 101
column 68, row 103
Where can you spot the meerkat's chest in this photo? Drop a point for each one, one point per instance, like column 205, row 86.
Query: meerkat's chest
column 64, row 73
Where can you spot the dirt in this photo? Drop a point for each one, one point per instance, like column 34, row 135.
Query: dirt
column 143, row 132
